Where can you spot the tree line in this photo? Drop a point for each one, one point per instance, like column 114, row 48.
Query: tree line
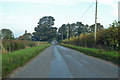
column 45, row 31
column 75, row 29
column 107, row 39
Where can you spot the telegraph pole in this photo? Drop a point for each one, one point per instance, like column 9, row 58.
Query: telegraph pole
column 95, row 21
column 62, row 36
column 67, row 34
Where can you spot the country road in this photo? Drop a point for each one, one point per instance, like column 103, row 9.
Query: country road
column 60, row 62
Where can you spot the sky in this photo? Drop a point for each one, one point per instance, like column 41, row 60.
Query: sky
column 21, row 15
column 119, row 11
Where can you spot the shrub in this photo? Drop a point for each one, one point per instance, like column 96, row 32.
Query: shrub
column 12, row 45
column 106, row 39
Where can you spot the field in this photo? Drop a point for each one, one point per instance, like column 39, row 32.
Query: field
column 112, row 56
column 18, row 58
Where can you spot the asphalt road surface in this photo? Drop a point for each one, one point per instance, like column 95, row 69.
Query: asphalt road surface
column 60, row 62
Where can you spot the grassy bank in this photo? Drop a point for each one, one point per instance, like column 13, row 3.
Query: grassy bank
column 112, row 56
column 20, row 57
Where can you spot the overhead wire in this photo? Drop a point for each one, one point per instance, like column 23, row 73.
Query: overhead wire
column 87, row 10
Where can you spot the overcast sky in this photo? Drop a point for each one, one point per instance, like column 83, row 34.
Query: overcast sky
column 119, row 11
column 21, row 15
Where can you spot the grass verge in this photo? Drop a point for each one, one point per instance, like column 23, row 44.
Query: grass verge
column 18, row 58
column 112, row 56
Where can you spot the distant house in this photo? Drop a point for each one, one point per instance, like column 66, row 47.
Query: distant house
column 26, row 36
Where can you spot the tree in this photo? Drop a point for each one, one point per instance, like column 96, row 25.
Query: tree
column 119, row 37
column 99, row 27
column 44, row 30
column 74, row 29
column 80, row 28
column 113, row 36
column 47, row 21
column 63, row 31
column 7, row 34
column 86, row 29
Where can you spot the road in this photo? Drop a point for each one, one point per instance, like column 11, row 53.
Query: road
column 60, row 62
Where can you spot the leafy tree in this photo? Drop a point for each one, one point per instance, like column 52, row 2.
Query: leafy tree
column 7, row 34
column 86, row 29
column 99, row 27
column 119, row 37
column 80, row 28
column 73, row 30
column 76, row 29
column 63, row 31
column 113, row 35
column 46, row 21
column 44, row 31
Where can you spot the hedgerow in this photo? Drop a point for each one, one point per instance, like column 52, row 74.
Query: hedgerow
column 11, row 45
column 106, row 39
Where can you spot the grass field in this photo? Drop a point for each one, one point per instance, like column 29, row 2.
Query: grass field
column 18, row 58
column 112, row 56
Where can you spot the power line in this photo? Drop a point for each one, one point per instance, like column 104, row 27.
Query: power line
column 87, row 9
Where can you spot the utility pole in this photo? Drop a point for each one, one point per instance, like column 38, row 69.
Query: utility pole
column 95, row 21
column 67, row 34
column 62, row 36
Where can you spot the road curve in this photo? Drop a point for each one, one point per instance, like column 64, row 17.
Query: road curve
column 60, row 62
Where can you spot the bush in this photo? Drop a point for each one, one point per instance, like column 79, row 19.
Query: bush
column 12, row 45
column 106, row 39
